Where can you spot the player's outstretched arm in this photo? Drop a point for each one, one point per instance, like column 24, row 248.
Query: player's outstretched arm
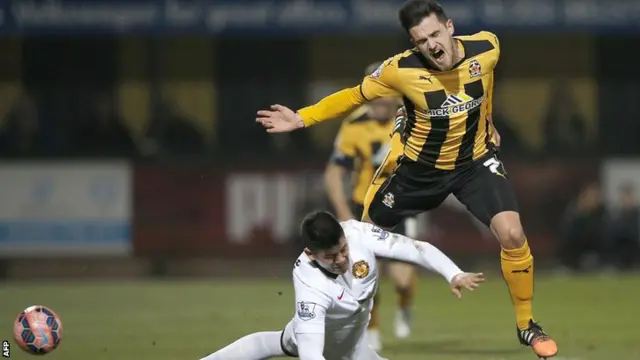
column 282, row 119
column 381, row 83
column 309, row 320
column 494, row 130
column 401, row 248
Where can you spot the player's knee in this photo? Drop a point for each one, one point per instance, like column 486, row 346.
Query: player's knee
column 512, row 237
column 509, row 230
column 404, row 290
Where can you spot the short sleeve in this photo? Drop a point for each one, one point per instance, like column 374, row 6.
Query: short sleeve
column 345, row 147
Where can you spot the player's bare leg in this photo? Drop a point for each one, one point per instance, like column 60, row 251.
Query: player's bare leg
column 404, row 280
column 517, row 270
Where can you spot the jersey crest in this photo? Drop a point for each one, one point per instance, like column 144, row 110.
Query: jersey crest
column 475, row 69
column 360, row 269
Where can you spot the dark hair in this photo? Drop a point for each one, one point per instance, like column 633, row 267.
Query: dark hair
column 413, row 12
column 320, row 231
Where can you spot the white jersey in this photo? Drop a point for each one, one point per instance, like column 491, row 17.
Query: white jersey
column 335, row 309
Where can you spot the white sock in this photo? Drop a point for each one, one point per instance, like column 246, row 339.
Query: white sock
column 257, row 346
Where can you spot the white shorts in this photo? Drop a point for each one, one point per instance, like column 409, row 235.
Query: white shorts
column 362, row 350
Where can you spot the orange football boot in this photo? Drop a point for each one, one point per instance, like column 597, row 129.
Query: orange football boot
column 540, row 342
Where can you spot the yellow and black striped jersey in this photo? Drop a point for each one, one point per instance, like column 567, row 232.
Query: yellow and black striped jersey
column 447, row 111
column 362, row 145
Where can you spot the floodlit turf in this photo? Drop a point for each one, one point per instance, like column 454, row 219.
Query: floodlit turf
column 591, row 317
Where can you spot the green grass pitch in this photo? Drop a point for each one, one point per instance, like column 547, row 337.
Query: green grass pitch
column 592, row 318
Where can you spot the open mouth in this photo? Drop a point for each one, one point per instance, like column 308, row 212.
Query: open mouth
column 437, row 54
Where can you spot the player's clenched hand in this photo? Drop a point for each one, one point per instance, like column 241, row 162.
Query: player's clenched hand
column 496, row 134
column 279, row 119
column 469, row 281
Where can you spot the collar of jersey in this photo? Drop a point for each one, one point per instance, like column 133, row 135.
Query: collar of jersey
column 323, row 270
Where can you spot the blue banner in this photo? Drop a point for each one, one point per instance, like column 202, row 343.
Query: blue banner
column 297, row 17
column 51, row 209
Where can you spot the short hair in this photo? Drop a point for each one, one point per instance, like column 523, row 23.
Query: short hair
column 320, row 231
column 372, row 67
column 413, row 12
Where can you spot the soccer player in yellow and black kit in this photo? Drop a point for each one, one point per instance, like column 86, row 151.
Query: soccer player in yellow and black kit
column 446, row 83
column 364, row 147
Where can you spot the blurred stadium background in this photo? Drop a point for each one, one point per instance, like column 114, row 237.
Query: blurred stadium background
column 140, row 201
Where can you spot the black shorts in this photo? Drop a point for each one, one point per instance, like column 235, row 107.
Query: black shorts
column 358, row 209
column 413, row 188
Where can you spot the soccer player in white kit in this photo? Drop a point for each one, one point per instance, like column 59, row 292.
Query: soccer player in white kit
column 335, row 279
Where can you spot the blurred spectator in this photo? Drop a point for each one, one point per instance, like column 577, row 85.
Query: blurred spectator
column 21, row 134
column 623, row 229
column 101, row 131
column 565, row 128
column 582, row 230
column 170, row 133
column 510, row 141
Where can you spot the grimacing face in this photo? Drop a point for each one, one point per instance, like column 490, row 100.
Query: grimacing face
column 335, row 259
column 434, row 39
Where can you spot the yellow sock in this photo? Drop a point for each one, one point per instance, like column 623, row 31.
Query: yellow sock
column 517, row 270
column 405, row 295
column 373, row 323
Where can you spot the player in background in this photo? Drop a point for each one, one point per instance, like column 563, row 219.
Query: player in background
column 335, row 279
column 362, row 146
column 446, row 83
